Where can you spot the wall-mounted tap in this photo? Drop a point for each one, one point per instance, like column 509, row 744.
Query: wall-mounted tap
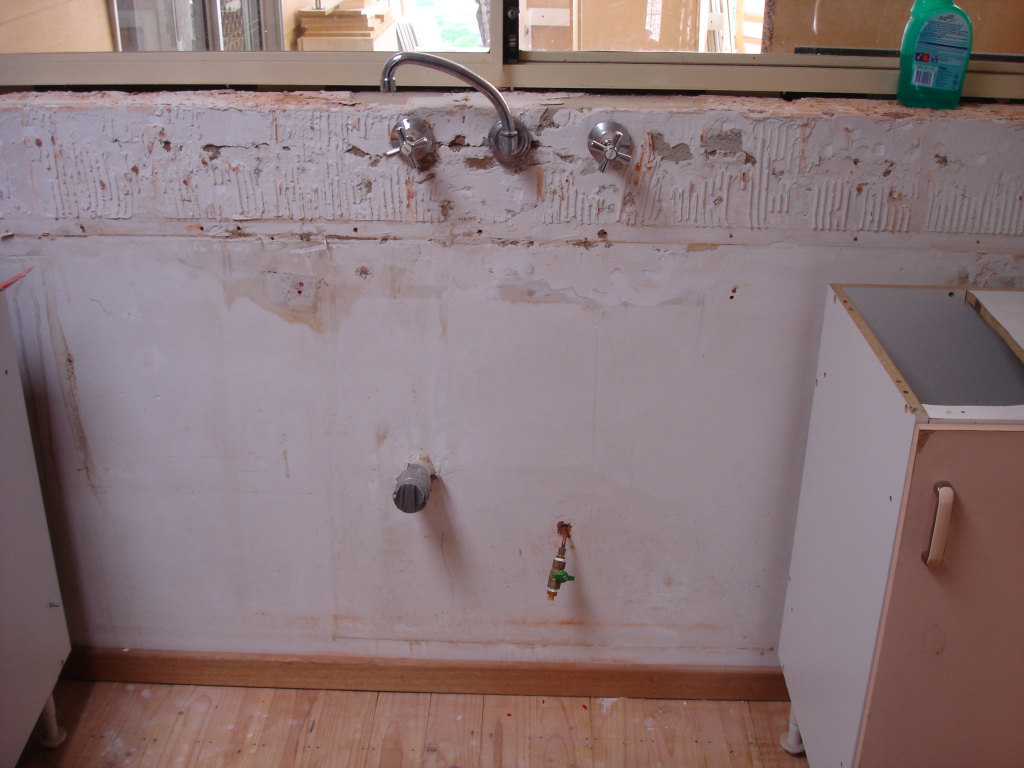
column 411, row 139
column 558, row 576
column 509, row 138
column 607, row 142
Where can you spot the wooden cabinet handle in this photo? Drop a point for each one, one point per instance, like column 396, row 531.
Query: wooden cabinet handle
column 940, row 531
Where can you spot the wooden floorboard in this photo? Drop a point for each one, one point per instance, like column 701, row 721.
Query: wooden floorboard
column 399, row 730
column 339, row 735
column 176, row 736
column 453, row 730
column 559, row 732
column 128, row 725
column 506, row 732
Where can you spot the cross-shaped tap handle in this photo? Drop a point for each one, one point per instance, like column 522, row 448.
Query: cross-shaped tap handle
column 608, row 141
column 411, row 139
column 610, row 150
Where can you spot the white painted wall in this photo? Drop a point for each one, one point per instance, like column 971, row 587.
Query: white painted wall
column 241, row 320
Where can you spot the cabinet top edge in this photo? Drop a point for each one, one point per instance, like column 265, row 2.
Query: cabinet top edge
column 926, row 287
column 969, row 426
column 953, row 353
column 913, row 402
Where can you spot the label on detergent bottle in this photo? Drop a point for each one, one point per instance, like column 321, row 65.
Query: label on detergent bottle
column 941, row 52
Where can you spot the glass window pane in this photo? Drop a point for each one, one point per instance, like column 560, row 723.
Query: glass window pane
column 714, row 26
column 189, row 25
column 877, row 25
column 746, row 26
column 749, row 26
column 449, row 25
column 240, row 25
column 161, row 25
column 380, row 25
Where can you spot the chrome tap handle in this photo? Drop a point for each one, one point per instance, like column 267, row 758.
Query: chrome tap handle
column 610, row 150
column 412, row 139
column 407, row 148
column 609, row 141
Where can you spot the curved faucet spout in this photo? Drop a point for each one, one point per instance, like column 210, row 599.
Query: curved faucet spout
column 509, row 138
column 387, row 79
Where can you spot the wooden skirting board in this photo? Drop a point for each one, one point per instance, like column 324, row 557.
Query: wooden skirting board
column 406, row 675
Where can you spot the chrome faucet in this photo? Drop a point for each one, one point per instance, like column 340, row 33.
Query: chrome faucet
column 509, row 138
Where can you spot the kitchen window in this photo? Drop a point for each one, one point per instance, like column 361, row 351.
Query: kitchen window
column 739, row 46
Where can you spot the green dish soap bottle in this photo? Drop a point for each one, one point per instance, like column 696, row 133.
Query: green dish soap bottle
column 934, row 55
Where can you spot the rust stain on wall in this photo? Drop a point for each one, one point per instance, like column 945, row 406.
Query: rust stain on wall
column 546, row 623
column 480, row 163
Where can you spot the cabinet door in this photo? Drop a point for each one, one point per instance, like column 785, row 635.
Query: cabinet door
column 948, row 683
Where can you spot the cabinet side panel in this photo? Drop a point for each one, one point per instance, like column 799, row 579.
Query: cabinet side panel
column 948, row 689
column 33, row 635
column 854, row 472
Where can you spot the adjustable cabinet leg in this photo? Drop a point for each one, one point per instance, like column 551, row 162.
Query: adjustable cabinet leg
column 53, row 735
column 791, row 740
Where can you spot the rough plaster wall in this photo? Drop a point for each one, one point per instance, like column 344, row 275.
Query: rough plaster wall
column 242, row 319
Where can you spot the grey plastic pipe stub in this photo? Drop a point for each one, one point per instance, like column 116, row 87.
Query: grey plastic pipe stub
column 412, row 487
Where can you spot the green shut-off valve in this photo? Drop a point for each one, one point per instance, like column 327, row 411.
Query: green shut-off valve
column 557, row 575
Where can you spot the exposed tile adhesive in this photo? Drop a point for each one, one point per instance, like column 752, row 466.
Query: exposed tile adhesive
column 705, row 162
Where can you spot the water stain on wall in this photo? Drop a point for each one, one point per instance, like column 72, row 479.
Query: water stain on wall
column 541, row 292
column 68, row 385
column 293, row 296
column 290, row 292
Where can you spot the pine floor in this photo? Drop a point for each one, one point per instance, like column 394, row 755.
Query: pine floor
column 165, row 726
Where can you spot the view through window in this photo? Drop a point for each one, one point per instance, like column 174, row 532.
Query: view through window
column 305, row 25
column 188, row 25
column 749, row 26
column 574, row 44
column 378, row 25
column 713, row 26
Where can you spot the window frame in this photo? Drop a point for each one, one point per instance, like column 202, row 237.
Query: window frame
column 733, row 73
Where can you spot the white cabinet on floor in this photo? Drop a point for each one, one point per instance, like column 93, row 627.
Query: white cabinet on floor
column 33, row 633
column 916, row 441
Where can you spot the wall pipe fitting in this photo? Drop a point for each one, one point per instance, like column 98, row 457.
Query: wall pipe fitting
column 557, row 576
column 412, row 488
column 509, row 138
